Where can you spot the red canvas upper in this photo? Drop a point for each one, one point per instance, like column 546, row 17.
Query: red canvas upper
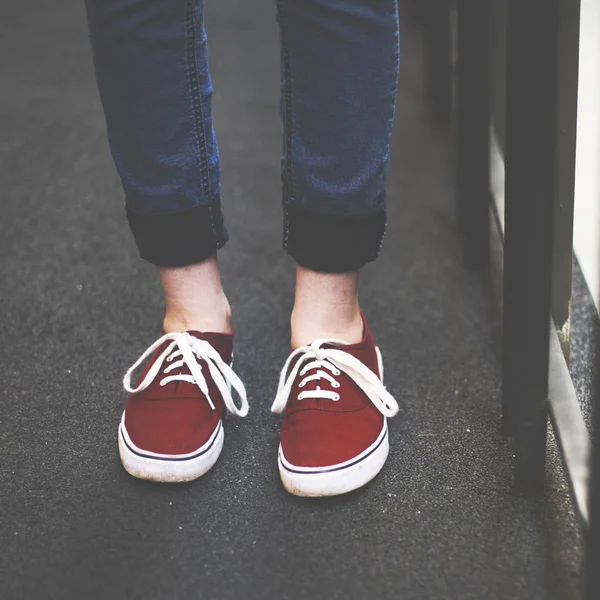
column 176, row 418
column 322, row 432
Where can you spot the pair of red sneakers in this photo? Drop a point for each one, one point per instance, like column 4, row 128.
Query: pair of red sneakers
column 334, row 436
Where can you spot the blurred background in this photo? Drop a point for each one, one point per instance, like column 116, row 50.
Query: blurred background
column 475, row 501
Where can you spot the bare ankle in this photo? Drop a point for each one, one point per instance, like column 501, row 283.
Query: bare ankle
column 195, row 299
column 326, row 306
column 209, row 317
column 336, row 324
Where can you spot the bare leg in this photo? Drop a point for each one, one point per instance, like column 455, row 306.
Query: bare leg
column 326, row 306
column 194, row 298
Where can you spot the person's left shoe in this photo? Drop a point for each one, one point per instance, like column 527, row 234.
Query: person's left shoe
column 334, row 436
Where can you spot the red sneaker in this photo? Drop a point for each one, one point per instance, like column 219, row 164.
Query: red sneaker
column 334, row 436
column 171, row 428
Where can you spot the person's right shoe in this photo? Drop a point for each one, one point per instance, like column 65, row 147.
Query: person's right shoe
column 334, row 436
column 172, row 427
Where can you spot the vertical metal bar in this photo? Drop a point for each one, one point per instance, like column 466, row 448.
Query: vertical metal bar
column 437, row 51
column 566, row 138
column 530, row 160
column 463, row 93
column 416, row 10
column 473, row 92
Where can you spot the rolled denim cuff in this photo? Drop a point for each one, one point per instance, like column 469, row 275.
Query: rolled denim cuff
column 181, row 238
column 333, row 243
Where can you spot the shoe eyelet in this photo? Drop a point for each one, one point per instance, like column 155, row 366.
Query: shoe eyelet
column 336, row 384
column 162, row 383
column 337, row 372
column 169, row 358
column 302, row 384
column 337, row 397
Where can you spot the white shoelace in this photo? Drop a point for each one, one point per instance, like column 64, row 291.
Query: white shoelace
column 188, row 349
column 336, row 361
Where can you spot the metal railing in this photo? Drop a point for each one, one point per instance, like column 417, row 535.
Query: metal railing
column 534, row 133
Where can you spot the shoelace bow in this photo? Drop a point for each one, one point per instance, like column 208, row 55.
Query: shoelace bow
column 337, row 361
column 188, row 349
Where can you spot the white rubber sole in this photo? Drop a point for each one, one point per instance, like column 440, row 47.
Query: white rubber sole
column 335, row 479
column 167, row 468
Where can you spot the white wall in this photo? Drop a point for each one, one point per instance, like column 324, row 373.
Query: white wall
column 587, row 172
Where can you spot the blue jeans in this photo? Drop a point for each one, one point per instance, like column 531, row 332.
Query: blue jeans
column 339, row 76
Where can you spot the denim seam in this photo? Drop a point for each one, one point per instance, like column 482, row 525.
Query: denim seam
column 396, row 60
column 197, row 108
column 288, row 124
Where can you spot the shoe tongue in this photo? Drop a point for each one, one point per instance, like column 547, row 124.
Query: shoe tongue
column 221, row 342
column 363, row 350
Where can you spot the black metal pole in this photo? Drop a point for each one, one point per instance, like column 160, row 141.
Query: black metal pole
column 416, row 10
column 530, row 160
column 473, row 155
column 437, row 50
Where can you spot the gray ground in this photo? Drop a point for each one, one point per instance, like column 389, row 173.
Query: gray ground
column 78, row 307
